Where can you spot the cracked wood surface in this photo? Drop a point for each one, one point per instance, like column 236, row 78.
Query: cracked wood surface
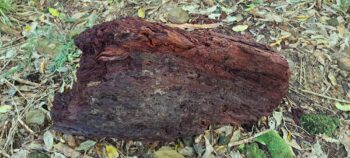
column 147, row 81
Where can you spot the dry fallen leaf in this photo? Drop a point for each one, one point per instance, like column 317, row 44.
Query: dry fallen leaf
column 5, row 108
column 344, row 135
column 178, row 15
column 67, row 151
column 48, row 140
column 287, row 136
column 240, row 28
column 195, row 26
column 208, row 149
column 35, row 116
column 332, row 78
column 86, row 145
column 317, row 151
column 342, row 107
column 167, row 152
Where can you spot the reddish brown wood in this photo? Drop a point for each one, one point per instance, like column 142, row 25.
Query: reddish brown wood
column 146, row 81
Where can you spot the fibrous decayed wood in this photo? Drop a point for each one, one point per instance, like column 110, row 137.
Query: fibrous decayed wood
column 146, row 81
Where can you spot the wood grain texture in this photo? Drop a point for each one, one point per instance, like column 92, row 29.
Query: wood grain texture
column 146, row 81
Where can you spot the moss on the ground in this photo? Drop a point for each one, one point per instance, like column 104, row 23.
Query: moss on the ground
column 319, row 124
column 253, row 151
column 5, row 6
column 276, row 146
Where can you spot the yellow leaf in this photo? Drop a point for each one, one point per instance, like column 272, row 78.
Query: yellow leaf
column 27, row 28
column 112, row 152
column 289, row 137
column 141, row 12
column 54, row 12
column 42, row 66
column 167, row 152
column 277, row 42
column 302, row 17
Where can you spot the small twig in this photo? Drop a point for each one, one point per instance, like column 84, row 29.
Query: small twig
column 7, row 62
column 301, row 71
column 3, row 153
column 195, row 26
column 25, row 81
column 296, row 126
column 3, row 129
column 12, row 85
column 26, row 127
column 9, row 137
column 291, row 102
column 247, row 140
column 324, row 96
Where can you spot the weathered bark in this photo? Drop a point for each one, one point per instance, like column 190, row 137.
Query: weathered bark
column 146, row 81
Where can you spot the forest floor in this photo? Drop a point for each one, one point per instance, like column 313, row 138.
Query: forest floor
column 38, row 58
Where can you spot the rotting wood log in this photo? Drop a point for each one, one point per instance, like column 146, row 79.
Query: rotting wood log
column 146, row 81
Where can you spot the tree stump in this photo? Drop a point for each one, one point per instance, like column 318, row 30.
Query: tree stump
column 146, row 81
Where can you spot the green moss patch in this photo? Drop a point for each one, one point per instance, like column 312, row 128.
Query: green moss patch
column 253, row 151
column 5, row 6
column 275, row 144
column 319, row 124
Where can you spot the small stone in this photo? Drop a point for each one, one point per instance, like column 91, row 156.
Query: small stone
column 344, row 63
column 178, row 15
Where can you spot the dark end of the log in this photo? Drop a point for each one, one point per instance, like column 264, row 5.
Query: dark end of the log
column 146, row 81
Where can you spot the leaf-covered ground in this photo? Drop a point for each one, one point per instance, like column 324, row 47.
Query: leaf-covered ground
column 38, row 59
